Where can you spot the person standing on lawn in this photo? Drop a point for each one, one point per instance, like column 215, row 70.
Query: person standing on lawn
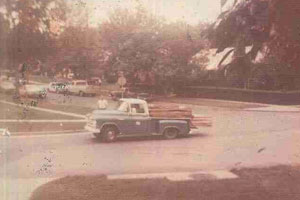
column 102, row 103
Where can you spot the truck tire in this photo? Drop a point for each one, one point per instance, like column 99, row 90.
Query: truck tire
column 170, row 133
column 109, row 134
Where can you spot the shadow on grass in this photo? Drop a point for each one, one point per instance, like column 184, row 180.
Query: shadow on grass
column 278, row 183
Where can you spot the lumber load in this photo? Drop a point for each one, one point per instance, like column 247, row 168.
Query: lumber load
column 169, row 111
column 173, row 111
column 198, row 121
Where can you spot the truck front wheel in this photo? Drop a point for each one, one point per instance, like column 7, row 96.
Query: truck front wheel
column 109, row 134
column 170, row 133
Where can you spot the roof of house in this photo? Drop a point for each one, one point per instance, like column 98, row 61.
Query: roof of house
column 215, row 58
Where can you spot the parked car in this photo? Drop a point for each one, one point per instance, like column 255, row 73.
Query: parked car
column 7, row 86
column 82, row 88
column 95, row 81
column 132, row 118
column 30, row 90
column 58, row 87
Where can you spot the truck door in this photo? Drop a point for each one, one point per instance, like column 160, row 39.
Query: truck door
column 139, row 120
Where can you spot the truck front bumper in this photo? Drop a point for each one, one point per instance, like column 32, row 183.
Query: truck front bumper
column 91, row 129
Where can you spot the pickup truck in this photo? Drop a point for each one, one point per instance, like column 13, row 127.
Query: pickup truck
column 82, row 88
column 131, row 118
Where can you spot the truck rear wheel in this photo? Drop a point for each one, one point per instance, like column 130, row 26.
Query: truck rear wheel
column 109, row 134
column 170, row 133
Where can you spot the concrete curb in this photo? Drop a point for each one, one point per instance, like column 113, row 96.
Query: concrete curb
column 46, row 133
column 42, row 121
column 275, row 108
column 233, row 102
column 177, row 176
column 264, row 108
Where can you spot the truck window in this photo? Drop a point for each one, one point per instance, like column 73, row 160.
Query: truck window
column 138, row 108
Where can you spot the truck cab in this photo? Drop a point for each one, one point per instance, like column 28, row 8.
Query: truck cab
column 131, row 118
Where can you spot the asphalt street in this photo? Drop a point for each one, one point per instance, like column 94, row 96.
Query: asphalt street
column 237, row 139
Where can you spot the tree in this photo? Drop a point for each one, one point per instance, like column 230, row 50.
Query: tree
column 4, row 32
column 31, row 24
column 79, row 50
column 140, row 43
column 270, row 26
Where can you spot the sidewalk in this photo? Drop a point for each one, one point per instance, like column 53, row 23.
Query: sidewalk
column 247, row 106
column 211, row 102
column 20, row 189
column 275, row 108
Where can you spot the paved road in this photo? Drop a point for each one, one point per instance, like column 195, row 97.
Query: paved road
column 237, row 139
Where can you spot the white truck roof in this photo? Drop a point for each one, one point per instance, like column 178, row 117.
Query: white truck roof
column 132, row 100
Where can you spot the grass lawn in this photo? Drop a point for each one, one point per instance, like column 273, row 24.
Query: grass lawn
column 41, row 79
column 81, row 110
column 27, row 113
column 77, row 109
column 280, row 183
column 33, row 128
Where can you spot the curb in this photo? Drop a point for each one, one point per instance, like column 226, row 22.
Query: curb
column 42, row 121
column 46, row 133
column 275, row 108
column 177, row 176
column 224, row 101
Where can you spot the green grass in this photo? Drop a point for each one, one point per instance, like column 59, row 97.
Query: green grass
column 41, row 79
column 36, row 128
column 81, row 110
column 110, row 87
column 77, row 109
column 23, row 112
column 282, row 182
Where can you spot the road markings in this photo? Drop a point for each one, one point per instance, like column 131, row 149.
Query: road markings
column 178, row 176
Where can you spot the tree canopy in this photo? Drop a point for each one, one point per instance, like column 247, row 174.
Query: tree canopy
column 269, row 26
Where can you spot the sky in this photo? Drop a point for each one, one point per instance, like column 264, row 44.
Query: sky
column 192, row 11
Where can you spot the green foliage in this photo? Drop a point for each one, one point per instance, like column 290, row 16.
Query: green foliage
column 136, row 41
column 30, row 35
column 268, row 25
column 79, row 50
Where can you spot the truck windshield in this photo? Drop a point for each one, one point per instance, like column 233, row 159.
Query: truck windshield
column 123, row 106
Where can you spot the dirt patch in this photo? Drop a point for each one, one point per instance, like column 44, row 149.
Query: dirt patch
column 282, row 182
